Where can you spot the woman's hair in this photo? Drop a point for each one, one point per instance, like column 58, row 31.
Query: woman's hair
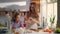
column 14, row 17
column 32, row 13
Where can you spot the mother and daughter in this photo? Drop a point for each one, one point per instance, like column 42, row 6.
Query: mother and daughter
column 31, row 17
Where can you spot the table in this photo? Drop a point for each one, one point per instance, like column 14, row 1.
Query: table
column 32, row 32
column 38, row 33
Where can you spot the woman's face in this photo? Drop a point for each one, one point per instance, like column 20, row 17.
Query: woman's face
column 32, row 8
column 18, row 18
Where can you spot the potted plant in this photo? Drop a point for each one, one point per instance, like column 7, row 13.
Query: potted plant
column 52, row 20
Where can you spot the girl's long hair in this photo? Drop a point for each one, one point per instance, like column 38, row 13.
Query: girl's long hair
column 14, row 17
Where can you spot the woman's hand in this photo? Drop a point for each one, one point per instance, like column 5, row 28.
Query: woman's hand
column 30, row 18
column 34, row 20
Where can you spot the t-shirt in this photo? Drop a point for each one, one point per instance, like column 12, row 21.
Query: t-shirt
column 16, row 25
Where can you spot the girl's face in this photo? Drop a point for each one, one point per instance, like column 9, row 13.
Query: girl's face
column 18, row 18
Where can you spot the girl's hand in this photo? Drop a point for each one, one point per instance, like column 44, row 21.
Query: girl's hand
column 13, row 29
column 25, row 19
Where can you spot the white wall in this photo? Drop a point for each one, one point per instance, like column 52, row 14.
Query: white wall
column 42, row 12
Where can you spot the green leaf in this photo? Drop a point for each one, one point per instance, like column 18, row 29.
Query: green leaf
column 52, row 19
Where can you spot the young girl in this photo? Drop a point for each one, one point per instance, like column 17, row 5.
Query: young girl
column 16, row 23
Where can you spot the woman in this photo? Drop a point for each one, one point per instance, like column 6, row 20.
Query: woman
column 32, row 17
column 16, row 23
